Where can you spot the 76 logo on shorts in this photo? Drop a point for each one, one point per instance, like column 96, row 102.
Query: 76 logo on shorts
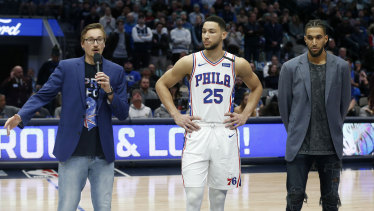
column 234, row 181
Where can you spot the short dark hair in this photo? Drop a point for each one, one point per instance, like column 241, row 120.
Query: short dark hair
column 315, row 23
column 219, row 20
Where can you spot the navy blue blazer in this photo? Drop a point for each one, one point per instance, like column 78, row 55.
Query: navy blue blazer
column 68, row 78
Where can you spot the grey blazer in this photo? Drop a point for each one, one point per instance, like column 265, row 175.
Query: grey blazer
column 294, row 98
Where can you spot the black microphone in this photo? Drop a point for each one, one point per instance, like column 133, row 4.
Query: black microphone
column 97, row 60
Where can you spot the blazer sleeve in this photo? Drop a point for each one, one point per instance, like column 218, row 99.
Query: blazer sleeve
column 43, row 96
column 346, row 90
column 119, row 105
column 285, row 94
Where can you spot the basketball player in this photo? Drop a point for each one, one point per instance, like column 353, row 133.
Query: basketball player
column 211, row 152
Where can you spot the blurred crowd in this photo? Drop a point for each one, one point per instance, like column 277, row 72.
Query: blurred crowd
column 148, row 37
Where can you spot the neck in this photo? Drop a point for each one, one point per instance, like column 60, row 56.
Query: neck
column 137, row 104
column 215, row 54
column 89, row 59
column 321, row 59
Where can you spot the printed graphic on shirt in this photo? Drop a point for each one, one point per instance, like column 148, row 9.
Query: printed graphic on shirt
column 92, row 93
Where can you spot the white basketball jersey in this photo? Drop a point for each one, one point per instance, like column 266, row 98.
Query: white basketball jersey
column 212, row 87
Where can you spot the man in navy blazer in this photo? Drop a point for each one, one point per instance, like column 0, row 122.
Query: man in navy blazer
column 314, row 94
column 84, row 143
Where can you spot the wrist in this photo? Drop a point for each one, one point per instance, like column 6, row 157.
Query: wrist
column 174, row 114
column 110, row 92
column 17, row 117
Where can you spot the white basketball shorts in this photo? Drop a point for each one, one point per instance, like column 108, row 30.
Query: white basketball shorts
column 211, row 155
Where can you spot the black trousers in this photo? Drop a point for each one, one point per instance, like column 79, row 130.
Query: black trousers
column 329, row 167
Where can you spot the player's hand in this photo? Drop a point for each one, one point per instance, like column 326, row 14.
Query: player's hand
column 235, row 120
column 185, row 121
column 104, row 81
column 12, row 123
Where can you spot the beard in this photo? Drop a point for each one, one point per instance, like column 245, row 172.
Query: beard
column 212, row 47
column 316, row 54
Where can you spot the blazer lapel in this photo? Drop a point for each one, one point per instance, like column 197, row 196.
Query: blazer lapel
column 305, row 73
column 330, row 74
column 80, row 80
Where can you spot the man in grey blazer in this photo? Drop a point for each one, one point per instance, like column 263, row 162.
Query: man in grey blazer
column 314, row 95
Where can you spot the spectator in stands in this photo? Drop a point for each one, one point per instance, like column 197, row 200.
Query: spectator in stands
column 344, row 29
column 271, row 107
column 368, row 110
column 240, row 89
column 42, row 113
column 45, row 71
column 48, row 67
column 242, row 18
column 233, row 39
column 142, row 37
column 151, row 74
column 331, row 46
column 196, row 34
column 32, row 78
column 271, row 81
column 219, row 6
column 227, row 14
column 240, row 108
column 117, row 9
column 16, row 87
column 273, row 32
column 181, row 40
column 252, row 33
column 287, row 52
column 146, row 91
column 132, row 76
column 343, row 53
column 296, row 27
column 108, row 21
column 93, row 17
column 118, row 44
column 186, row 24
column 362, row 78
column 84, row 13
column 6, row 111
column 160, row 48
column 58, row 112
column 196, row 12
column 161, row 112
column 137, row 108
column 274, row 60
column 129, row 25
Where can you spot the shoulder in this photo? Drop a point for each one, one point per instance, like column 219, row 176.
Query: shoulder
column 293, row 62
column 337, row 59
column 241, row 63
column 112, row 64
column 185, row 61
column 71, row 61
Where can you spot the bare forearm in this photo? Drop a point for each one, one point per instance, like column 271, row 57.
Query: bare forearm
column 166, row 98
column 252, row 102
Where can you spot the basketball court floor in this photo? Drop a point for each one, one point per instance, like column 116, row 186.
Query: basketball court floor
column 161, row 189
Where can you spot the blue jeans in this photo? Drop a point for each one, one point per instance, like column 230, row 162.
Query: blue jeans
column 72, row 177
column 329, row 167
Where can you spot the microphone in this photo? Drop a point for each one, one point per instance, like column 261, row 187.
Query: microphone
column 97, row 60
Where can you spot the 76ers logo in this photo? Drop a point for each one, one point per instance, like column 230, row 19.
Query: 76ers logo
column 234, row 181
